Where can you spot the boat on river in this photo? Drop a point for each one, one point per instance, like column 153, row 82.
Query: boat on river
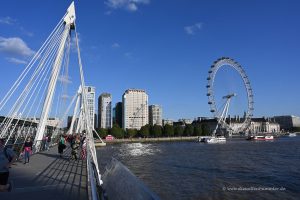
column 212, row 139
column 263, row 137
column 292, row 134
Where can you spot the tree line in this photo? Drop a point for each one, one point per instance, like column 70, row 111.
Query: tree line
column 156, row 131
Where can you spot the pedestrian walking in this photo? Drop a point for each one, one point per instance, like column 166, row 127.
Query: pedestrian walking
column 75, row 146
column 27, row 150
column 48, row 141
column 83, row 149
column 7, row 157
column 61, row 145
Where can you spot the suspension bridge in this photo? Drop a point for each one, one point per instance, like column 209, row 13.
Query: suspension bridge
column 37, row 95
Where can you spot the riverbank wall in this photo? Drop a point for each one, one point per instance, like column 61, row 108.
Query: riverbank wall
column 142, row 140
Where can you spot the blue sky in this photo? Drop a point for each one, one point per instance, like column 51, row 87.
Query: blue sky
column 166, row 48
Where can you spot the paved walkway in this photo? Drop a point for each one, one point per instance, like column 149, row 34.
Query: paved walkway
column 48, row 177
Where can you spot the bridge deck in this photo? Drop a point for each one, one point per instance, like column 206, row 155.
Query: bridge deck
column 48, row 177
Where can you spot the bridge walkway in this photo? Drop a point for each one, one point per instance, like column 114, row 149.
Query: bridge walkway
column 48, row 176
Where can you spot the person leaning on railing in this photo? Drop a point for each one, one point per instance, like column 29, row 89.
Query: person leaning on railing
column 7, row 157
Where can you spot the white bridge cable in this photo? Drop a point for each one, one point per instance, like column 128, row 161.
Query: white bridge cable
column 40, row 76
column 91, row 150
column 48, row 65
column 28, row 67
column 19, row 102
column 64, row 79
column 65, row 114
column 51, row 88
column 10, row 113
column 75, row 112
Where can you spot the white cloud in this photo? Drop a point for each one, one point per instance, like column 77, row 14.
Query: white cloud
column 64, row 79
column 130, row 5
column 16, row 60
column 13, row 22
column 15, row 46
column 7, row 20
column 193, row 29
column 115, row 45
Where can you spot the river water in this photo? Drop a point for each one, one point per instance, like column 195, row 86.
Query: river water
column 239, row 169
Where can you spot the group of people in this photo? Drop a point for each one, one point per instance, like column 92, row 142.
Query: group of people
column 7, row 157
column 76, row 142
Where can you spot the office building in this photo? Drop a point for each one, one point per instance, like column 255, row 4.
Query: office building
column 104, row 111
column 135, row 109
column 90, row 94
column 288, row 122
column 155, row 115
column 118, row 113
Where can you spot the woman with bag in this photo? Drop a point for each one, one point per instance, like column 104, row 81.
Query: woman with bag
column 27, row 150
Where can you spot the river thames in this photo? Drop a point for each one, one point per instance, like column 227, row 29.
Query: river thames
column 239, row 169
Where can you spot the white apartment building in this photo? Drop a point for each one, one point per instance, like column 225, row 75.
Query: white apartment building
column 135, row 109
column 155, row 115
column 104, row 111
column 90, row 93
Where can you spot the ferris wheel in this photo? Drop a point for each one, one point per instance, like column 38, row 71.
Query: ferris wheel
column 221, row 114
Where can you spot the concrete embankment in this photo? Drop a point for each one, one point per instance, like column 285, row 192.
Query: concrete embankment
column 162, row 139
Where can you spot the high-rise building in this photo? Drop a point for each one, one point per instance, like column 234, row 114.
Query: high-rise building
column 288, row 122
column 135, row 109
column 155, row 115
column 104, row 111
column 90, row 93
column 118, row 114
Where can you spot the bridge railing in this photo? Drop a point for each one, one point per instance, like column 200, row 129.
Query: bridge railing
column 18, row 147
column 94, row 177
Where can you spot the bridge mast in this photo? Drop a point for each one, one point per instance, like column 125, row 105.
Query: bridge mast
column 69, row 24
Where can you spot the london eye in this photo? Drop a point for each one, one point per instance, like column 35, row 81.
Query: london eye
column 221, row 114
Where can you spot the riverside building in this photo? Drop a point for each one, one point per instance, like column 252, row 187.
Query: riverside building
column 90, row 93
column 288, row 122
column 167, row 121
column 117, row 114
column 155, row 115
column 104, row 111
column 135, row 109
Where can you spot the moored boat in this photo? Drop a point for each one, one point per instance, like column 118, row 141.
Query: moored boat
column 264, row 137
column 213, row 140
column 292, row 134
column 203, row 138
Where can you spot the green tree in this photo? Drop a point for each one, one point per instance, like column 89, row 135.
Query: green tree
column 145, row 131
column 188, row 130
column 117, row 132
column 131, row 132
column 178, row 130
column 197, row 130
column 205, row 129
column 156, row 131
column 102, row 132
column 168, row 130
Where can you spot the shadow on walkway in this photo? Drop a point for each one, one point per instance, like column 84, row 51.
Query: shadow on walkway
column 48, row 176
